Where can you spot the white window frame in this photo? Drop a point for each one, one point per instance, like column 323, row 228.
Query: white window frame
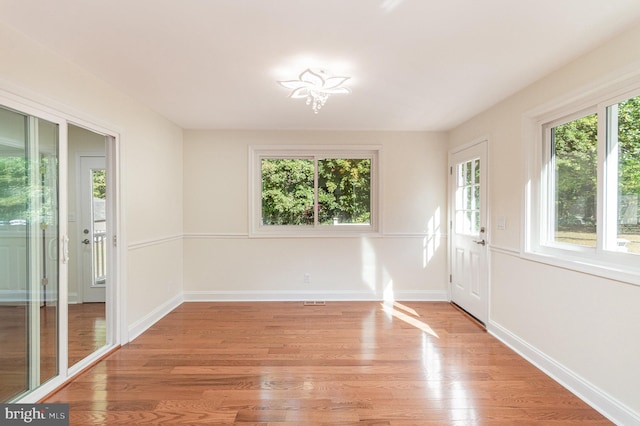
column 259, row 152
column 602, row 260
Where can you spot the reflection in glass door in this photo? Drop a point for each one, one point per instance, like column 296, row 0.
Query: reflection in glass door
column 29, row 273
column 89, row 228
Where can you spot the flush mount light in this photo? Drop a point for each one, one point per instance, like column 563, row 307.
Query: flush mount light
column 315, row 86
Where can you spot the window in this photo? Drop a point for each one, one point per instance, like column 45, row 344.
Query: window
column 623, row 175
column 582, row 205
column 307, row 191
column 467, row 206
column 573, row 181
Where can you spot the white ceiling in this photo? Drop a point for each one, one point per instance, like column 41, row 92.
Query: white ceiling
column 415, row 64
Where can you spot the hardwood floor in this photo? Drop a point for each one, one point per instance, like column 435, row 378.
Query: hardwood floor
column 87, row 330
column 339, row 364
column 13, row 351
column 87, row 333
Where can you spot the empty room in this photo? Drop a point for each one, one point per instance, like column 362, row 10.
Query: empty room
column 389, row 212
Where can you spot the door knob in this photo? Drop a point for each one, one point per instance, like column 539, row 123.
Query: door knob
column 86, row 241
column 481, row 242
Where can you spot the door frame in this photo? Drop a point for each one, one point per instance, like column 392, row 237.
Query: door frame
column 483, row 142
column 45, row 108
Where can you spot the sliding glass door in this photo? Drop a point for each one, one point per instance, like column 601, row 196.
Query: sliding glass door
column 29, row 266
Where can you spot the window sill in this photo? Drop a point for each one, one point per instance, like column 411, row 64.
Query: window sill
column 342, row 232
column 617, row 272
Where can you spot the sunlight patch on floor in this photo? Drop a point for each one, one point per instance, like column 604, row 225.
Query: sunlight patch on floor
column 390, row 310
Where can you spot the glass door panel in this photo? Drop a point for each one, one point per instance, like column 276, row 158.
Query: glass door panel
column 89, row 262
column 28, row 253
column 48, row 235
column 14, row 288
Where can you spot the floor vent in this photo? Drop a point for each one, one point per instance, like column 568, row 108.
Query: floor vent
column 314, row 303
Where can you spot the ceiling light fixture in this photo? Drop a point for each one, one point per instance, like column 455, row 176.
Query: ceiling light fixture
column 315, row 86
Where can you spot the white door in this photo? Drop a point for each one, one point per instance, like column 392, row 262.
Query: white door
column 468, row 257
column 93, row 233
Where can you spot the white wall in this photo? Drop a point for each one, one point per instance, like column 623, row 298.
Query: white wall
column 587, row 327
column 151, row 164
column 223, row 263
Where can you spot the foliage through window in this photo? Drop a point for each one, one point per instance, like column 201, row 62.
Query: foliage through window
column 623, row 146
column 584, row 210
column 15, row 189
column 316, row 190
column 467, row 204
column 574, row 147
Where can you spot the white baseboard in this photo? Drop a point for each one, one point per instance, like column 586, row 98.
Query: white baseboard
column 608, row 406
column 279, row 296
column 140, row 326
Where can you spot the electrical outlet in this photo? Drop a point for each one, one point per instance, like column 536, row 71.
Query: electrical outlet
column 307, row 278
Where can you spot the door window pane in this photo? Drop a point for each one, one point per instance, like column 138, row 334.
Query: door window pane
column 468, row 198
column 99, row 219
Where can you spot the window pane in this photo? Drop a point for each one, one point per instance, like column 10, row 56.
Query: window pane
column 627, row 118
column 344, row 191
column 287, row 191
column 476, row 167
column 574, row 148
column 468, row 198
column 99, row 215
column 476, row 197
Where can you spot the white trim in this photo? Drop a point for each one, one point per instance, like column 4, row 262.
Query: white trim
column 29, row 99
column 597, row 261
column 609, row 85
column 224, row 235
column 229, row 235
column 257, row 152
column 297, row 296
column 73, row 298
column 586, row 266
column 143, row 324
column 89, row 360
column 154, row 242
column 607, row 405
column 471, row 144
column 504, row 250
column 441, row 235
column 58, row 383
